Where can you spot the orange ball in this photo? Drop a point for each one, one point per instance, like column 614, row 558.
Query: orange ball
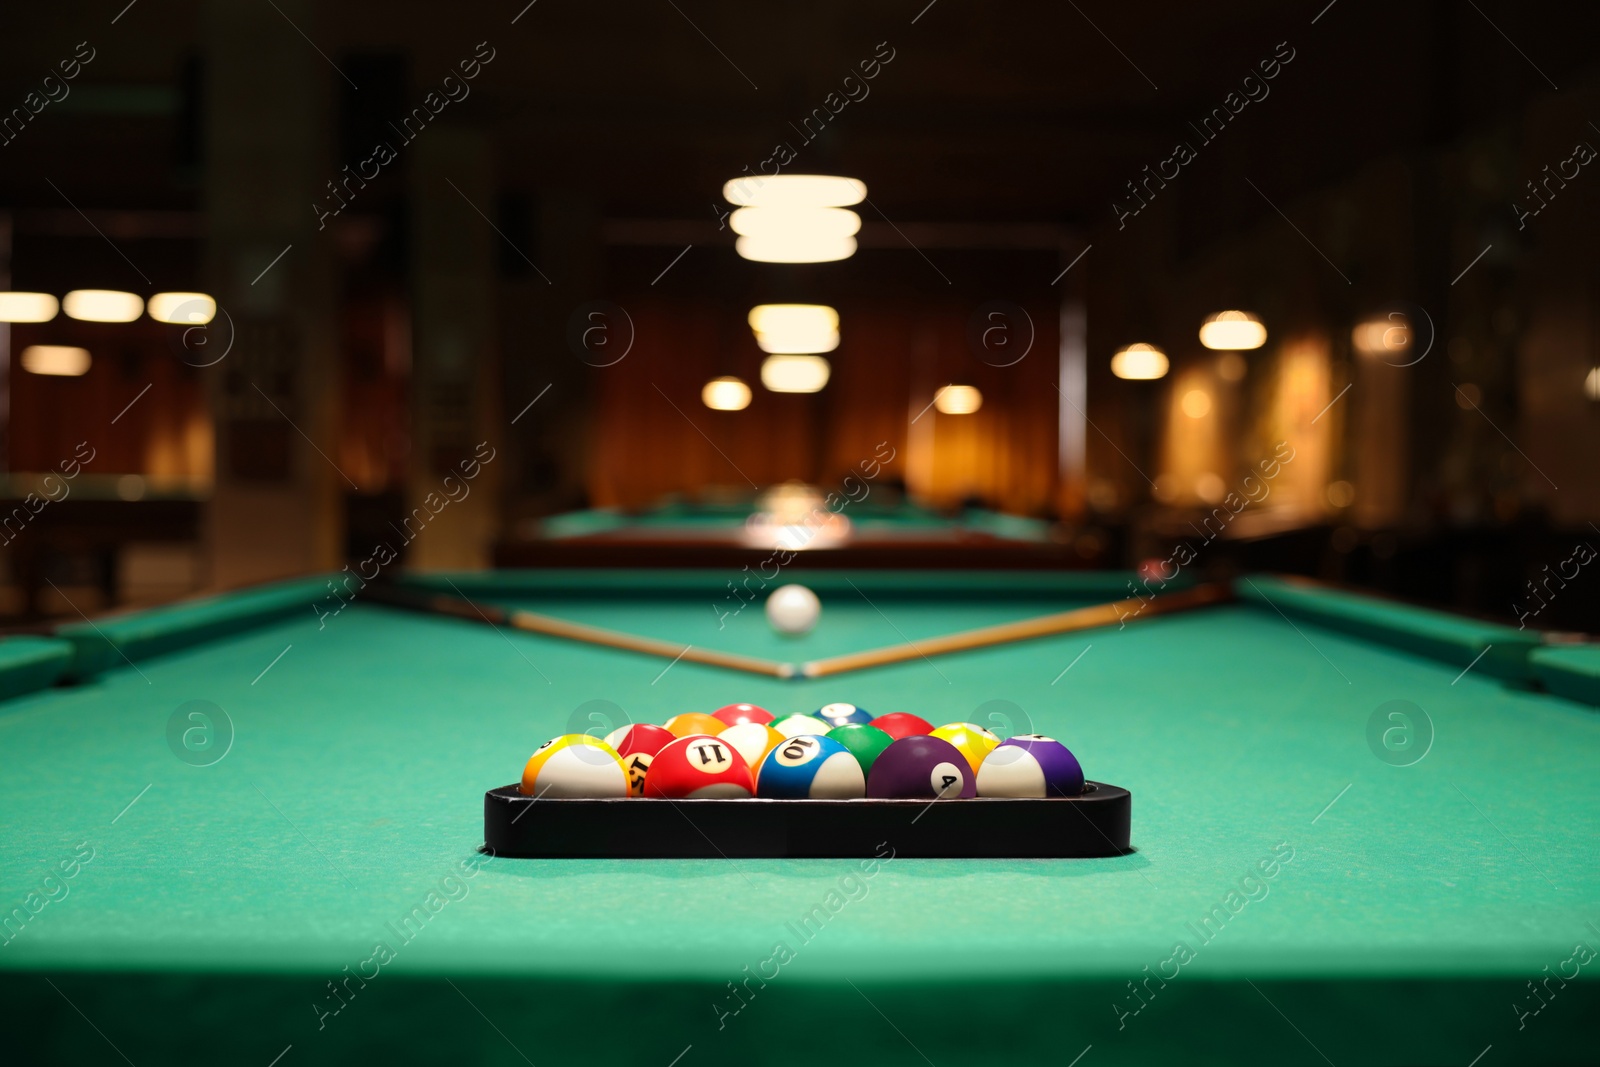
column 694, row 723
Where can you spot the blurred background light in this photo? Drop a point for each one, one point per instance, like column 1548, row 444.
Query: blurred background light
column 795, row 224
column 182, row 309
column 1139, row 362
column 102, row 305
column 1377, row 337
column 1231, row 367
column 795, row 329
column 726, row 394
column 799, row 248
column 794, row 190
column 795, row 374
column 958, row 400
column 1232, row 331
column 1196, row 403
column 58, row 360
column 28, row 307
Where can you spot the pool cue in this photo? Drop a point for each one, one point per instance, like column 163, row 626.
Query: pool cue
column 549, row 626
column 1026, row 629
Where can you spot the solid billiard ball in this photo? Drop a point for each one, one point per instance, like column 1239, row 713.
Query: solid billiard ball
column 810, row 768
column 753, row 740
column 972, row 740
column 898, row 724
column 734, row 714
column 638, row 744
column 574, row 765
column 1030, row 765
column 795, row 725
column 840, row 714
column 699, row 766
column 694, row 722
column 793, row 609
column 921, row 767
column 866, row 743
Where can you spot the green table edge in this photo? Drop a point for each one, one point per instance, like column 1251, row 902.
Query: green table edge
column 29, row 664
column 133, row 636
column 1571, row 671
column 1498, row 651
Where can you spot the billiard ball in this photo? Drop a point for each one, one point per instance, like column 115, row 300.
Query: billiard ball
column 638, row 744
column 795, row 725
column 793, row 609
column 694, row 722
column 734, row 714
column 840, row 714
column 698, row 766
column 866, row 743
column 810, row 768
column 753, row 740
column 921, row 767
column 898, row 724
column 972, row 740
column 574, row 765
column 1030, row 765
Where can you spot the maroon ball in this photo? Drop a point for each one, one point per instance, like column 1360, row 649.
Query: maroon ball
column 920, row 767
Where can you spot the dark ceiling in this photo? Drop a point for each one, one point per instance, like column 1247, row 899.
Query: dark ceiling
column 1035, row 112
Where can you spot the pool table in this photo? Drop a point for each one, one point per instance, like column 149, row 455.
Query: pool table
column 1363, row 833
column 877, row 533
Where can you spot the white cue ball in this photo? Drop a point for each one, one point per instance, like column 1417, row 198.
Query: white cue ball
column 793, row 609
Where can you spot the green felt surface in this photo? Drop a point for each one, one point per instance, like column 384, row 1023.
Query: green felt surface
column 29, row 663
column 1418, row 902
column 1572, row 671
column 1494, row 649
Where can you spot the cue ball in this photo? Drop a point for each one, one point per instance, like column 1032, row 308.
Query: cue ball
column 810, row 768
column 699, row 766
column 793, row 609
column 921, row 767
column 973, row 741
column 638, row 744
column 574, row 765
column 1030, row 765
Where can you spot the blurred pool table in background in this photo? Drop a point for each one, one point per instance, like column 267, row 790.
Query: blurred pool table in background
column 1347, row 887
column 874, row 533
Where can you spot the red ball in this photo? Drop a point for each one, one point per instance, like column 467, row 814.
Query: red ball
column 898, row 724
column 637, row 745
column 699, row 766
column 734, row 714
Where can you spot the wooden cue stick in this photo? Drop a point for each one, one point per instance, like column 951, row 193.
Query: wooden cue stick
column 549, row 626
column 1042, row 626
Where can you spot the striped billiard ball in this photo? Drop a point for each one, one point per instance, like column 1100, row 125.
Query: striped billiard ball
column 1030, row 765
column 810, row 768
column 866, row 743
column 795, row 725
column 973, row 741
column 574, row 765
column 698, row 766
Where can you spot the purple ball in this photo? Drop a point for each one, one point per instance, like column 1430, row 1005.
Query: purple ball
column 1030, row 765
column 921, row 767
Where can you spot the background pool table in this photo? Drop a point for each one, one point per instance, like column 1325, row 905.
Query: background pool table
column 1335, row 906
